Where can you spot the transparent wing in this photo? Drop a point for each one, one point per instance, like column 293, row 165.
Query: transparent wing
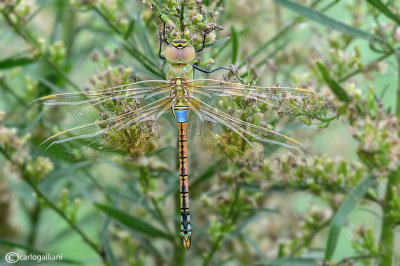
column 277, row 100
column 129, row 135
column 69, row 109
column 240, row 122
column 110, row 124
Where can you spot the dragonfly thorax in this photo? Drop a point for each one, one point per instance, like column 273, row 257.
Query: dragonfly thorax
column 179, row 92
column 179, row 96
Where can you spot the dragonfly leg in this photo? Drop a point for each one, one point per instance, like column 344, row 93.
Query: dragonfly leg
column 163, row 38
column 209, row 71
column 159, row 52
column 204, row 41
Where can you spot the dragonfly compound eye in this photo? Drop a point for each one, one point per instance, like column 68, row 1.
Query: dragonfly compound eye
column 183, row 55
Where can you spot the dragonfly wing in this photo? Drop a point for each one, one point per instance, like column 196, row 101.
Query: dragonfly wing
column 223, row 88
column 277, row 101
column 130, row 134
column 67, row 110
column 242, row 141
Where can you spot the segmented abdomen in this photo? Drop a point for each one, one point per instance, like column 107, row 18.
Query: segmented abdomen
column 186, row 237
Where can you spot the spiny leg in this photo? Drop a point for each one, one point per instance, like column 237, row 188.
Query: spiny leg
column 204, row 41
column 163, row 38
column 201, row 49
column 159, row 52
column 209, row 71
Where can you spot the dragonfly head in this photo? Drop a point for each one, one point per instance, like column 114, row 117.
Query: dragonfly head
column 180, row 52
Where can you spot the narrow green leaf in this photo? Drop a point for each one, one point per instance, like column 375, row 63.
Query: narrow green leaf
column 327, row 21
column 12, row 62
column 220, row 3
column 130, row 28
column 106, row 244
column 220, row 41
column 269, row 55
column 239, row 228
column 132, row 222
column 36, row 252
column 254, row 245
column 276, row 37
column 48, row 84
column 385, row 10
column 69, row 170
column 210, row 172
column 144, row 38
column 262, row 210
column 144, row 72
column 34, row 14
column 355, row 196
column 21, row 246
column 235, row 44
column 143, row 59
column 264, row 46
column 289, row 262
column 4, row 86
column 333, row 85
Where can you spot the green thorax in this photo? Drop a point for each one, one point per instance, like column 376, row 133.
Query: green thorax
column 183, row 71
column 179, row 72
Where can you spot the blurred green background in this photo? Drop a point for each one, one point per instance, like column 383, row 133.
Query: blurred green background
column 48, row 46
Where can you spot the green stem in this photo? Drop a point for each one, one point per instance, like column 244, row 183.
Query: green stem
column 386, row 242
column 398, row 88
column 33, row 42
column 151, row 65
column 7, row 88
column 182, row 17
column 232, row 215
column 161, row 216
column 5, row 154
column 106, row 19
column 366, row 68
column 308, row 241
column 65, row 218
column 213, row 250
column 279, row 35
column 18, row 29
column 34, row 217
column 59, row 212
column 61, row 73
column 345, row 261
column 179, row 252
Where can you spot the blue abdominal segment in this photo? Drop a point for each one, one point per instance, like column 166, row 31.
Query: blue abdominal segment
column 180, row 114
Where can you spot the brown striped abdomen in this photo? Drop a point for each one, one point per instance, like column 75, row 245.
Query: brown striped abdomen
column 186, row 237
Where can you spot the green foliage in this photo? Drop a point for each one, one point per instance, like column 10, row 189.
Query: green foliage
column 347, row 51
column 333, row 85
column 132, row 222
column 326, row 20
column 355, row 196
column 15, row 62
column 235, row 45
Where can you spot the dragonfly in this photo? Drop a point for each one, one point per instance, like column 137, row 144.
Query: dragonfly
column 147, row 109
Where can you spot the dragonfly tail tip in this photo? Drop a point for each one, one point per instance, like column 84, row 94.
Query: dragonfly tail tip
column 186, row 242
